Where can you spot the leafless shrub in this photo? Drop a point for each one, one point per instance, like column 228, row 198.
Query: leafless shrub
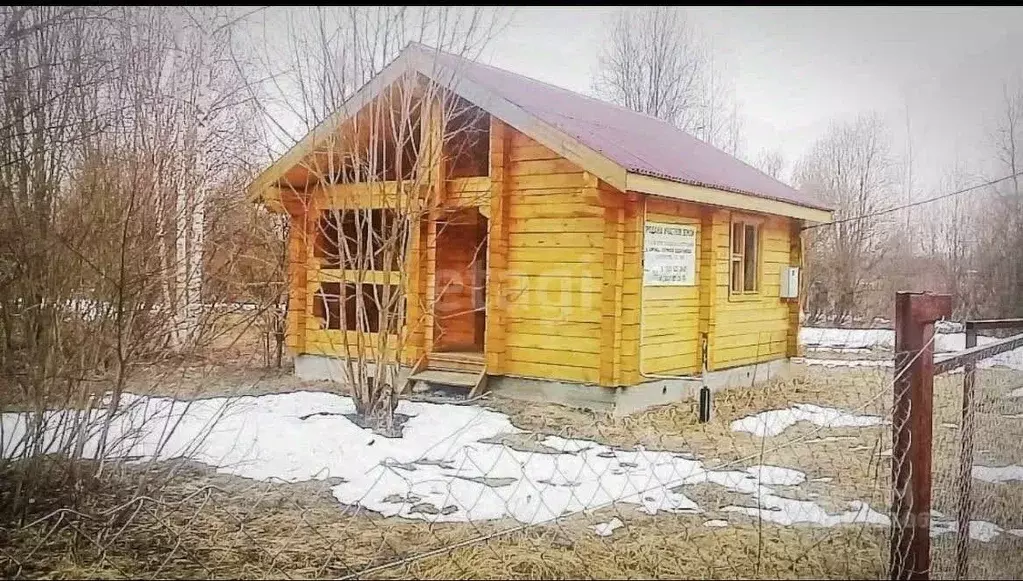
column 401, row 148
column 115, row 127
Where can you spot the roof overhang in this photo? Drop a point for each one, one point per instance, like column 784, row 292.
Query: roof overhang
column 416, row 58
column 419, row 59
column 703, row 195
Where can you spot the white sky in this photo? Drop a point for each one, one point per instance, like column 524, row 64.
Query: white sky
column 796, row 69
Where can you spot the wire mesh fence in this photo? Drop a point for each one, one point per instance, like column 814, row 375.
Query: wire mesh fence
column 789, row 478
column 977, row 517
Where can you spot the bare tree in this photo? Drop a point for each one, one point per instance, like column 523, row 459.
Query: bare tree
column 1000, row 229
column 949, row 237
column 653, row 61
column 852, row 168
column 86, row 175
column 771, row 162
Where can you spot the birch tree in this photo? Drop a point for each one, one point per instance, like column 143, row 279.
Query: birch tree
column 194, row 126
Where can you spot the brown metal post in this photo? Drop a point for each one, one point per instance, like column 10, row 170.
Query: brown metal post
column 915, row 314
column 966, row 459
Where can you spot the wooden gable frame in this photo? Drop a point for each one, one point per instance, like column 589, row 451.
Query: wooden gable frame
column 418, row 58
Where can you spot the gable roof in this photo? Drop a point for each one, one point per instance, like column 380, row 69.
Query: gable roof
column 639, row 143
column 629, row 150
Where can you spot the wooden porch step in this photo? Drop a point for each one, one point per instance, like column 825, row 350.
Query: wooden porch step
column 439, row 377
column 431, row 379
column 457, row 361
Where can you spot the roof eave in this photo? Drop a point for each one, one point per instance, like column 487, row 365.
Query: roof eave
column 645, row 184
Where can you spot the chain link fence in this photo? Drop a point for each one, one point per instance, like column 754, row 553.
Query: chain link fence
column 977, row 516
column 791, row 478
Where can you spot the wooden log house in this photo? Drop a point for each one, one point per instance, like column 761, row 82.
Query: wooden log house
column 603, row 257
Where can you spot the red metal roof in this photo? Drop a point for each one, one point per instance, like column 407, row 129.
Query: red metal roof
column 640, row 143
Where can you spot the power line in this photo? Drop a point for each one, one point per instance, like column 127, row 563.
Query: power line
column 918, row 202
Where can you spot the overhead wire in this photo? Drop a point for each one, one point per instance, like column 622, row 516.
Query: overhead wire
column 916, row 203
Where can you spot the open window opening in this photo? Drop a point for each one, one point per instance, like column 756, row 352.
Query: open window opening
column 467, row 141
column 389, row 152
column 337, row 307
column 361, row 239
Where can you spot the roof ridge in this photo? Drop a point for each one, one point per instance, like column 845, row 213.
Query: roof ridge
column 579, row 121
column 558, row 87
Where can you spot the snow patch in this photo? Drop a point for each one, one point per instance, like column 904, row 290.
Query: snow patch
column 716, row 523
column 814, row 349
column 774, row 422
column 830, row 439
column 786, row 511
column 849, row 362
column 996, row 474
column 442, row 468
column 980, row 530
column 820, row 339
column 847, row 338
column 605, row 529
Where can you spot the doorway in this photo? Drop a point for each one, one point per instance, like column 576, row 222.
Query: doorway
column 460, row 308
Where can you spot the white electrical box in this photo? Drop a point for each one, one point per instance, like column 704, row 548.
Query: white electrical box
column 789, row 282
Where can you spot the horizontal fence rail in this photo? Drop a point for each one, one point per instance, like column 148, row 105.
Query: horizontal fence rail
column 990, row 324
column 946, row 363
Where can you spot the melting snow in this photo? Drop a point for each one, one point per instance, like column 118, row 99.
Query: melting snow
column 830, row 439
column 814, row 348
column 857, row 340
column 847, row 338
column 605, row 529
column 998, row 473
column 980, row 530
column 774, row 422
column 439, row 470
column 716, row 523
column 776, row 476
column 787, row 511
column 849, row 362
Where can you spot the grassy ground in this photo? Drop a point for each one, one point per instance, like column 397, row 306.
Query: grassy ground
column 215, row 525
column 238, row 528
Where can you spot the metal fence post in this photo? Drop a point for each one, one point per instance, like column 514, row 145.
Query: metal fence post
column 966, row 459
column 915, row 314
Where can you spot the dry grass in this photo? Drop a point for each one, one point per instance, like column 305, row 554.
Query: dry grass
column 234, row 527
column 848, row 456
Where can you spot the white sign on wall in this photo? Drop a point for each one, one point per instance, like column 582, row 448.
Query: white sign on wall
column 669, row 255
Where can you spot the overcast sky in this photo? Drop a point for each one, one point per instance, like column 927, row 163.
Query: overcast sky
column 796, row 69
